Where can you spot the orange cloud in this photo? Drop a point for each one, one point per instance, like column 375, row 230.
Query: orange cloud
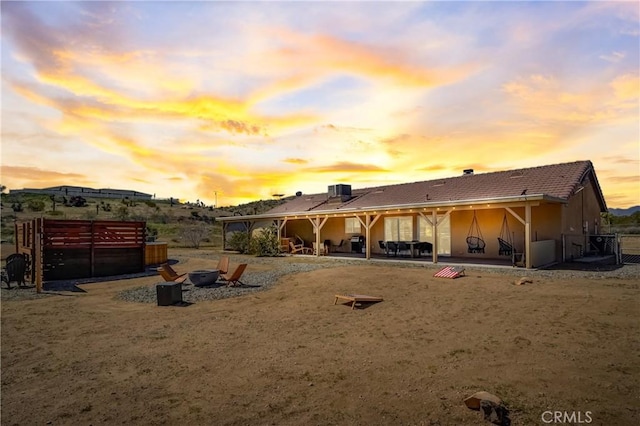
column 346, row 167
column 295, row 161
column 17, row 177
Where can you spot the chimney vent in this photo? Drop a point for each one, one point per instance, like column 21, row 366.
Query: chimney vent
column 467, row 172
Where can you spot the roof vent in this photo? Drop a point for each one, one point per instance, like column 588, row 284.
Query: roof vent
column 299, row 194
column 467, row 172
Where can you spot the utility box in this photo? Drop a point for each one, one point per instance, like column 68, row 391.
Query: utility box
column 169, row 293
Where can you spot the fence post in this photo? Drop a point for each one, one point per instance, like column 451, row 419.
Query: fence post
column 37, row 259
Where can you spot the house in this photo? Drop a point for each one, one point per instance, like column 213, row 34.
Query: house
column 544, row 214
column 83, row 191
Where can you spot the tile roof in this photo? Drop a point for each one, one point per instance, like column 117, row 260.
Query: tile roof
column 557, row 181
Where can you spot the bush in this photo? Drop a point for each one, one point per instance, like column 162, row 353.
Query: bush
column 265, row 242
column 193, row 235
column 35, row 205
column 239, row 241
column 122, row 212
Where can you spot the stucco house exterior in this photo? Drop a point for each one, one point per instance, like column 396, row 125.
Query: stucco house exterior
column 546, row 214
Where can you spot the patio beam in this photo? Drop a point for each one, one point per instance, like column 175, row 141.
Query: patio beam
column 514, row 214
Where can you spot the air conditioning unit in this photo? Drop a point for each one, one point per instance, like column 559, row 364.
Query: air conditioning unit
column 340, row 190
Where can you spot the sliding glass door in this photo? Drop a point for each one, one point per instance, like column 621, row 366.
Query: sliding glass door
column 444, row 234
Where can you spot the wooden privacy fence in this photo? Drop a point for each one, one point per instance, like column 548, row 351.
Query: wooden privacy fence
column 68, row 249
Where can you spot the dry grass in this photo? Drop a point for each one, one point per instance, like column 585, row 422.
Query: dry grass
column 288, row 356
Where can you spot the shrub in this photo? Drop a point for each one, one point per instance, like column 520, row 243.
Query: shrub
column 265, row 242
column 239, row 241
column 122, row 212
column 35, row 205
column 193, row 235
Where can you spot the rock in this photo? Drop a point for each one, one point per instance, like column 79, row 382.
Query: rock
column 473, row 402
column 524, row 280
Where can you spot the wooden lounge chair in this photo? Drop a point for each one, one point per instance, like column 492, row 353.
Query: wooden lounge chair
column 299, row 248
column 234, row 279
column 169, row 274
column 357, row 298
column 223, row 265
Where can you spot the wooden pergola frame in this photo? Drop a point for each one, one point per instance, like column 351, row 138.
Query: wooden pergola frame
column 369, row 217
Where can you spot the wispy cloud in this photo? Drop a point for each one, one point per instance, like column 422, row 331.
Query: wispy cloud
column 247, row 100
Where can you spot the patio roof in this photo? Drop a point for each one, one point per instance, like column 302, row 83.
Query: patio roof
column 552, row 183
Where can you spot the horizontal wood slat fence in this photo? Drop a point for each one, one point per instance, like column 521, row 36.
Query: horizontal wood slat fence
column 68, row 249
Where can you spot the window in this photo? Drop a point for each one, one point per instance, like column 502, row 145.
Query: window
column 351, row 225
column 398, row 228
column 444, row 233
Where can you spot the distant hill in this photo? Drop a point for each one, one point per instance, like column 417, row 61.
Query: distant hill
column 624, row 212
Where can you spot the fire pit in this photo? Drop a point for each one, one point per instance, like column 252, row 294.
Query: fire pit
column 204, row 277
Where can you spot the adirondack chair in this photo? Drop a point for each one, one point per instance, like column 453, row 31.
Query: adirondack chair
column 299, row 248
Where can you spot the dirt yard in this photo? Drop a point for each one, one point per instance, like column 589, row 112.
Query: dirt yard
column 288, row 356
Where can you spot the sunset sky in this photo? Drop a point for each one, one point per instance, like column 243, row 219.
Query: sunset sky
column 250, row 99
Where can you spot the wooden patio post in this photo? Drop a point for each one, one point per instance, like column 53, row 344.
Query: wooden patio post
column 367, row 235
column 434, row 230
column 527, row 235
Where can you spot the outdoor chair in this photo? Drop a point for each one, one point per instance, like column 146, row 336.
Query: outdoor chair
column 234, row 278
column 425, row 247
column 323, row 249
column 392, row 247
column 475, row 245
column 505, row 249
column 337, row 247
column 15, row 269
column 223, row 265
column 170, row 275
column 299, row 248
column 402, row 246
column 382, row 246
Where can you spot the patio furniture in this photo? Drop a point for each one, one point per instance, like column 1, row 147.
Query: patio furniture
column 169, row 274
column 234, row 279
column 505, row 249
column 223, row 265
column 357, row 299
column 300, row 248
column 475, row 242
column 383, row 246
column 392, row 247
column 323, row 249
column 15, row 269
column 337, row 247
column 424, row 247
column 403, row 246
column 475, row 245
